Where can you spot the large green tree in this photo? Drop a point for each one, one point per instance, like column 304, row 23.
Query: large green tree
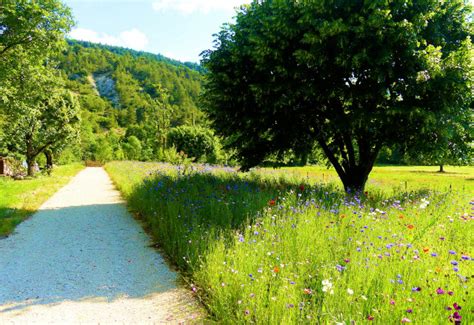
column 38, row 114
column 352, row 76
column 449, row 142
column 42, row 115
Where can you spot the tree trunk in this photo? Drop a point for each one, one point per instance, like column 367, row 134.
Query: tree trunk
column 355, row 178
column 441, row 169
column 30, row 156
column 31, row 167
column 49, row 159
column 352, row 172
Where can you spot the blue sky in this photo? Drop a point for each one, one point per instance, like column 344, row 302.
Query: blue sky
column 179, row 29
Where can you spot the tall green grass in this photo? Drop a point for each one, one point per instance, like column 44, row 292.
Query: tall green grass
column 20, row 199
column 264, row 248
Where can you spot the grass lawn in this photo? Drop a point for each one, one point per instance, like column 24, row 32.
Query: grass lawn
column 19, row 199
column 393, row 177
column 287, row 247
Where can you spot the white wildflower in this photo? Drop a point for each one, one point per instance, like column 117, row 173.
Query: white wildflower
column 327, row 286
column 424, row 203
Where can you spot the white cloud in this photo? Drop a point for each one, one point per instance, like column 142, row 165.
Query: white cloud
column 203, row 6
column 133, row 38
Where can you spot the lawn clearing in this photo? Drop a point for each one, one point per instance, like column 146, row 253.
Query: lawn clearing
column 394, row 177
column 274, row 247
column 19, row 199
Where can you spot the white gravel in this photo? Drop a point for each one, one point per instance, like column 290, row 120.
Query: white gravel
column 82, row 258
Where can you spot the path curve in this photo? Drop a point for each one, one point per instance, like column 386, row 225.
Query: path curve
column 82, row 258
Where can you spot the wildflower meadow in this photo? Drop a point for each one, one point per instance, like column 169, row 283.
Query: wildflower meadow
column 267, row 248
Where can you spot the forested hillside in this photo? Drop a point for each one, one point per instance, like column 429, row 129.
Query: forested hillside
column 129, row 100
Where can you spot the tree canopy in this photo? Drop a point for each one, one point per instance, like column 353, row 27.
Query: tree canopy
column 351, row 75
column 36, row 26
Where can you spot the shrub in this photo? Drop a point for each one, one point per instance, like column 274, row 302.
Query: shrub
column 133, row 148
column 197, row 142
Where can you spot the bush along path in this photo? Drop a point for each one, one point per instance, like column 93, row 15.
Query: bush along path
column 82, row 258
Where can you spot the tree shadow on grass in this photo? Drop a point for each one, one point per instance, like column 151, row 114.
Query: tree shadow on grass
column 438, row 173
column 77, row 253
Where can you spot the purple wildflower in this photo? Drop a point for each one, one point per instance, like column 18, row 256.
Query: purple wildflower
column 456, row 318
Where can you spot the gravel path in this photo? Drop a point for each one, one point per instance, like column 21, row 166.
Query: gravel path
column 82, row 258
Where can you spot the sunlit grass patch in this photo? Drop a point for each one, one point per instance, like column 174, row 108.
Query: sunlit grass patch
column 19, row 199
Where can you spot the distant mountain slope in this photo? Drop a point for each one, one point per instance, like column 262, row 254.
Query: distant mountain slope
column 132, row 82
column 126, row 93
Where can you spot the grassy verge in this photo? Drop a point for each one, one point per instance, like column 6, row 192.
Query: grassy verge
column 19, row 199
column 270, row 247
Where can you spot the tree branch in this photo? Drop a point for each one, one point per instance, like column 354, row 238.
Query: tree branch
column 340, row 144
column 332, row 158
column 350, row 148
column 40, row 149
column 9, row 46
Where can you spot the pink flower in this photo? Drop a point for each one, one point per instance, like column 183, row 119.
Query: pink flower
column 455, row 318
column 406, row 320
column 440, row 291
